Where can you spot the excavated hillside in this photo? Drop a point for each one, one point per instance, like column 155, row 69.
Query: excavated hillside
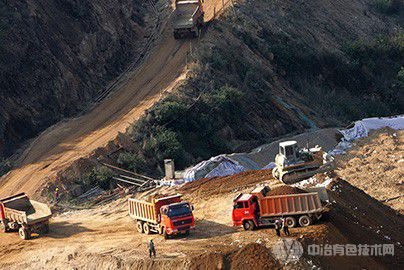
column 270, row 68
column 57, row 56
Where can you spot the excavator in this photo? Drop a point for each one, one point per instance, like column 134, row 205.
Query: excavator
column 294, row 164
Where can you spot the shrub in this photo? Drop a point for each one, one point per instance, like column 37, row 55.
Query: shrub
column 103, row 177
column 389, row 6
column 168, row 145
column 131, row 161
column 400, row 77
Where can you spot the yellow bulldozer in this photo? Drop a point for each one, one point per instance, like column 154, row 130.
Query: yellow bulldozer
column 294, row 164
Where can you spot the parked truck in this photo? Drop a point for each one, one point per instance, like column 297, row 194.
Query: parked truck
column 257, row 209
column 167, row 216
column 188, row 18
column 20, row 213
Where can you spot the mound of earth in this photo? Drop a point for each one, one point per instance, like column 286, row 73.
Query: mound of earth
column 226, row 184
column 252, row 256
column 284, row 190
column 376, row 165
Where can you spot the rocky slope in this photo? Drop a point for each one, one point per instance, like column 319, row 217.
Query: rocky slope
column 57, row 56
column 268, row 68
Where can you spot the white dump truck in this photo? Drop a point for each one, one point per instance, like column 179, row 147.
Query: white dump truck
column 188, row 18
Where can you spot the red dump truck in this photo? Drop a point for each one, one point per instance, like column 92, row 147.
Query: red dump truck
column 256, row 209
column 20, row 213
column 167, row 216
column 188, row 18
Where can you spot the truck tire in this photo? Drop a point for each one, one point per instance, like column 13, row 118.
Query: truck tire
column 146, row 228
column 3, row 227
column 248, row 225
column 291, row 222
column 186, row 233
column 139, row 226
column 166, row 236
column 305, row 221
column 24, row 233
column 45, row 229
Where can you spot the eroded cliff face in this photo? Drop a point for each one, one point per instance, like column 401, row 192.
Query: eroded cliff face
column 56, row 56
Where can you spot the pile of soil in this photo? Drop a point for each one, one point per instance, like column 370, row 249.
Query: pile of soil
column 252, row 256
column 225, row 184
column 376, row 165
column 282, row 190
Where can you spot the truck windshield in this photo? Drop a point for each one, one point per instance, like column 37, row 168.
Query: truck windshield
column 179, row 210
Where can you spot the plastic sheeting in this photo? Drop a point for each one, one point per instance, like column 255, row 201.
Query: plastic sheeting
column 363, row 127
column 226, row 168
column 213, row 166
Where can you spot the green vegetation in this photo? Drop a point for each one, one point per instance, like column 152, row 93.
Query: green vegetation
column 103, row 177
column 131, row 161
column 389, row 6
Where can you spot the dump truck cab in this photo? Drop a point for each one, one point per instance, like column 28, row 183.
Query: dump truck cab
column 245, row 210
column 177, row 218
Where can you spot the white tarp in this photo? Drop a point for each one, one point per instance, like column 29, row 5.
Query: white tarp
column 205, row 167
column 363, row 127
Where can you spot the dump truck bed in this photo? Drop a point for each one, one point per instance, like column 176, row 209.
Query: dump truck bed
column 185, row 14
column 294, row 204
column 148, row 211
column 21, row 209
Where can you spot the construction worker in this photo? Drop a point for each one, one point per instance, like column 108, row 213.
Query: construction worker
column 278, row 227
column 152, row 250
column 56, row 196
column 285, row 227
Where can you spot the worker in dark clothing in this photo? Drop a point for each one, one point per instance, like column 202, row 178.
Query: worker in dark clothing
column 56, row 196
column 152, row 250
column 278, row 227
column 285, row 227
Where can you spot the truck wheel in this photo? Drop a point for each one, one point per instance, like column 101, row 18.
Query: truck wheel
column 146, row 228
column 305, row 221
column 186, row 233
column 139, row 226
column 3, row 227
column 248, row 225
column 45, row 229
column 291, row 222
column 166, row 236
column 24, row 233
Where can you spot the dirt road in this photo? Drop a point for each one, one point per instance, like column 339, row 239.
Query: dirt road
column 57, row 147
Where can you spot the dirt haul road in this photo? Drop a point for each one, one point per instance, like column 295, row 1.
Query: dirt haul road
column 57, row 147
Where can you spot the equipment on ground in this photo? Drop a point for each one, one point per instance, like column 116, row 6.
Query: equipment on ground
column 294, row 164
column 188, row 18
column 256, row 209
column 167, row 216
column 20, row 213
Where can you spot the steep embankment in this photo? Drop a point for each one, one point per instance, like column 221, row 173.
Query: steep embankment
column 269, row 68
column 56, row 148
column 58, row 56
